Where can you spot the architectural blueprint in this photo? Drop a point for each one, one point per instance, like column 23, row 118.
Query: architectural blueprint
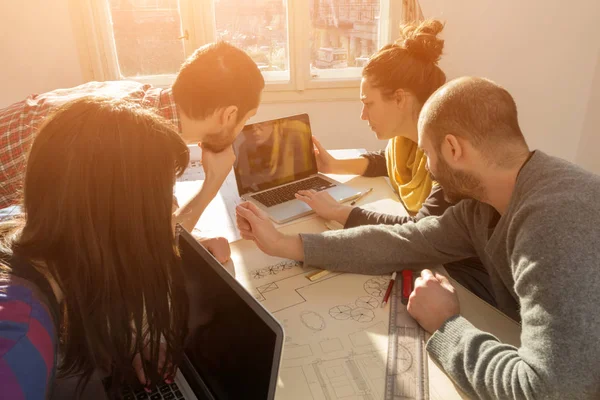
column 336, row 331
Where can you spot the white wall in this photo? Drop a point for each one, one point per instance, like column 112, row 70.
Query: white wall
column 37, row 48
column 588, row 155
column 543, row 51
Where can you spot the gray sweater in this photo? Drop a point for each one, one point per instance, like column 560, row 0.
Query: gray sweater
column 543, row 259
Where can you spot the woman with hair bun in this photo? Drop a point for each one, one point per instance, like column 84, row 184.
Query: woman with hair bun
column 396, row 82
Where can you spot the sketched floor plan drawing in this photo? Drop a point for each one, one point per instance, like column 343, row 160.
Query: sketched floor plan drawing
column 336, row 332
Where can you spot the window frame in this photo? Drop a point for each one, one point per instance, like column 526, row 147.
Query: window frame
column 98, row 54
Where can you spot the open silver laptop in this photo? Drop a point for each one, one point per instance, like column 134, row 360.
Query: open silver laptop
column 234, row 347
column 274, row 160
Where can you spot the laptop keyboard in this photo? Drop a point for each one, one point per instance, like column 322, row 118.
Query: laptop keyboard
column 285, row 193
column 159, row 392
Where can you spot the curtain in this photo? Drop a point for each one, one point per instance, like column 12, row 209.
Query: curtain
column 411, row 11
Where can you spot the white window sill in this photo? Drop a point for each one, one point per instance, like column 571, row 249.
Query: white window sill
column 281, row 91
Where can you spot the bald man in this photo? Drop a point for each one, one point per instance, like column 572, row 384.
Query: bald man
column 531, row 218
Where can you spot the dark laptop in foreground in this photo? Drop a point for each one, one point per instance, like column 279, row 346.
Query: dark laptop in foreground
column 235, row 345
column 274, row 160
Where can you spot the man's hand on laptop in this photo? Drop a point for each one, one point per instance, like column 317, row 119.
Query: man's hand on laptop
column 325, row 205
column 216, row 167
column 254, row 224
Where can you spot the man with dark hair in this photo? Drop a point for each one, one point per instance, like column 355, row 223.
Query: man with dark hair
column 217, row 76
column 216, row 91
column 531, row 218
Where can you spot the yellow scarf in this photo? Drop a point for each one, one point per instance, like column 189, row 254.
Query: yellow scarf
column 407, row 168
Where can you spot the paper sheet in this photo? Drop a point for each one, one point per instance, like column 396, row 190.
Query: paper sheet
column 218, row 219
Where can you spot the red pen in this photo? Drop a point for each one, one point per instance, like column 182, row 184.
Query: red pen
column 407, row 285
column 386, row 297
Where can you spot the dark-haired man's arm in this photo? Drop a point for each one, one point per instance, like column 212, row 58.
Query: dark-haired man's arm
column 216, row 168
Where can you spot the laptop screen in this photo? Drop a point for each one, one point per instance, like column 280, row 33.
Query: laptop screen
column 234, row 344
column 272, row 153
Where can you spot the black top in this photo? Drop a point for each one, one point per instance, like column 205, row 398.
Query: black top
column 377, row 164
column 435, row 204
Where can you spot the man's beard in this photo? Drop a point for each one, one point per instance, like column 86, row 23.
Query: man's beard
column 457, row 185
column 217, row 142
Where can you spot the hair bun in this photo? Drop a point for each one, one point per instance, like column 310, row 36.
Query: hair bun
column 421, row 40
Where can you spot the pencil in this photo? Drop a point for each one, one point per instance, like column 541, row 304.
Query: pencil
column 313, row 276
column 389, row 290
column 407, row 285
column 360, row 196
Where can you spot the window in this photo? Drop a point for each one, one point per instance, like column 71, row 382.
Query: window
column 343, row 34
column 260, row 28
column 301, row 46
column 147, row 36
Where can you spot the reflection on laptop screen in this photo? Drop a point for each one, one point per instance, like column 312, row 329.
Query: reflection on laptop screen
column 272, row 153
column 231, row 347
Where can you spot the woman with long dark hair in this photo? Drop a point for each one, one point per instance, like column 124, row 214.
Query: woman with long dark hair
column 91, row 271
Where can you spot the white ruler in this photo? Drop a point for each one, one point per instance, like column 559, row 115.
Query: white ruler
column 406, row 370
